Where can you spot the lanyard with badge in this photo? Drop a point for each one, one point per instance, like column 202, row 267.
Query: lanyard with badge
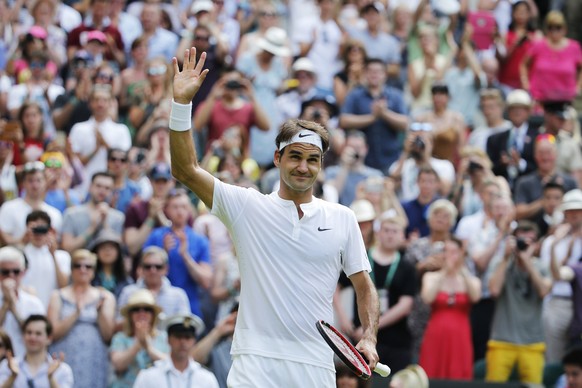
column 383, row 293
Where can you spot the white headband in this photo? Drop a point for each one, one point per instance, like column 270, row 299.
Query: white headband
column 305, row 136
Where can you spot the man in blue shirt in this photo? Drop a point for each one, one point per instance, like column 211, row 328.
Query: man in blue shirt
column 380, row 112
column 188, row 252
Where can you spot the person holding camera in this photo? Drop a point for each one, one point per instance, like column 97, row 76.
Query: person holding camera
column 231, row 102
column 417, row 153
column 519, row 283
column 48, row 267
column 351, row 169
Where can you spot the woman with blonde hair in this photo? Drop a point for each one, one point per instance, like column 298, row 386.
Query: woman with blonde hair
column 140, row 344
column 550, row 71
column 83, row 320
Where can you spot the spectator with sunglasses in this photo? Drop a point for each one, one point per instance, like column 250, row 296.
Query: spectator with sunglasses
column 124, row 191
column 83, row 319
column 550, row 70
column 16, row 304
column 152, row 274
column 49, row 268
column 144, row 101
column 204, row 40
column 140, row 344
column 13, row 213
column 188, row 252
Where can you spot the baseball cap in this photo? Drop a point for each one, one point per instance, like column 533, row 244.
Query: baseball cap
column 38, row 32
column 161, row 171
column 96, row 35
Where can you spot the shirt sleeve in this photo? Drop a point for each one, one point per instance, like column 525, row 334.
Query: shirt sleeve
column 355, row 258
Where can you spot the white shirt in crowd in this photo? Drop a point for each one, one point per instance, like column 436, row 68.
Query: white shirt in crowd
column 26, row 306
column 164, row 375
column 83, row 141
column 13, row 215
column 41, row 272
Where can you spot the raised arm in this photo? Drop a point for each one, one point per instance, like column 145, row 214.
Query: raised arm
column 185, row 167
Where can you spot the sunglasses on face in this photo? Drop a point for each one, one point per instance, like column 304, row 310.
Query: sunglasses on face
column 36, row 65
column 141, row 309
column 82, row 265
column 104, row 77
column 34, row 166
column 53, row 163
column 157, row 70
column 555, row 27
column 149, row 267
column 115, row 159
column 268, row 14
column 8, row 272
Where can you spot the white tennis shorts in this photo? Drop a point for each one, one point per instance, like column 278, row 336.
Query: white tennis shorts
column 251, row 371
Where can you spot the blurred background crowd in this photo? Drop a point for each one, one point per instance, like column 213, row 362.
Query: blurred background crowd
column 455, row 138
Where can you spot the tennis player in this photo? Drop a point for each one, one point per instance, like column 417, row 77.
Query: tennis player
column 291, row 248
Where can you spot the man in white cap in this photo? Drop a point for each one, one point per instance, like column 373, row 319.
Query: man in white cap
column 564, row 246
column 512, row 151
column 289, row 103
column 180, row 369
column 291, row 247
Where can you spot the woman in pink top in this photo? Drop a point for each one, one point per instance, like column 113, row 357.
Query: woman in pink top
column 551, row 68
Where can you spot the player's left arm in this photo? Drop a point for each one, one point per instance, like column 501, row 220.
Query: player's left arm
column 368, row 312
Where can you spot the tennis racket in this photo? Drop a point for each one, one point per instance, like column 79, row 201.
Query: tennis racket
column 348, row 353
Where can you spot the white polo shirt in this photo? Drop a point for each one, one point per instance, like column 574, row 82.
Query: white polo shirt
column 164, row 375
column 289, row 270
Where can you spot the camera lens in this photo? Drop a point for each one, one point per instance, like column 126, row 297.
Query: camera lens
column 521, row 244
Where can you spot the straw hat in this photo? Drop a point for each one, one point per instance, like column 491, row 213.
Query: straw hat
column 141, row 298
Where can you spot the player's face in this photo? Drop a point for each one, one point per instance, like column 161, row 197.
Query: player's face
column 299, row 164
column 573, row 376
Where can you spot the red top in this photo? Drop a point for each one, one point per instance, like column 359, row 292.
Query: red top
column 509, row 68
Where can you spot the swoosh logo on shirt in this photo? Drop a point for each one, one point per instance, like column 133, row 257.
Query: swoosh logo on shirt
column 320, row 229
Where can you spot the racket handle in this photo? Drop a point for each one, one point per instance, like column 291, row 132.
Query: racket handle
column 382, row 370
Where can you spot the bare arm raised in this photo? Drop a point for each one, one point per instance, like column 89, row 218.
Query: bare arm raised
column 185, row 167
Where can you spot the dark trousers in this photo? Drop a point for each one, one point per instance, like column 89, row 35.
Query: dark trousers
column 395, row 357
column 481, row 319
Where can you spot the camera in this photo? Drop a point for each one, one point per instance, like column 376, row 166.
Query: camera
column 418, row 143
column 521, row 244
column 40, row 229
column 233, row 84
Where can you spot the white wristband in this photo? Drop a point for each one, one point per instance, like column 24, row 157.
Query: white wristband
column 181, row 117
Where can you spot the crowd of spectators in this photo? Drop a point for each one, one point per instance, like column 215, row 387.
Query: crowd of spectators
column 454, row 138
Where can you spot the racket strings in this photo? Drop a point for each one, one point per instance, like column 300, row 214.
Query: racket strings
column 345, row 348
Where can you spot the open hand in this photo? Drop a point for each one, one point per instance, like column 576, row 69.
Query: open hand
column 55, row 363
column 188, row 81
